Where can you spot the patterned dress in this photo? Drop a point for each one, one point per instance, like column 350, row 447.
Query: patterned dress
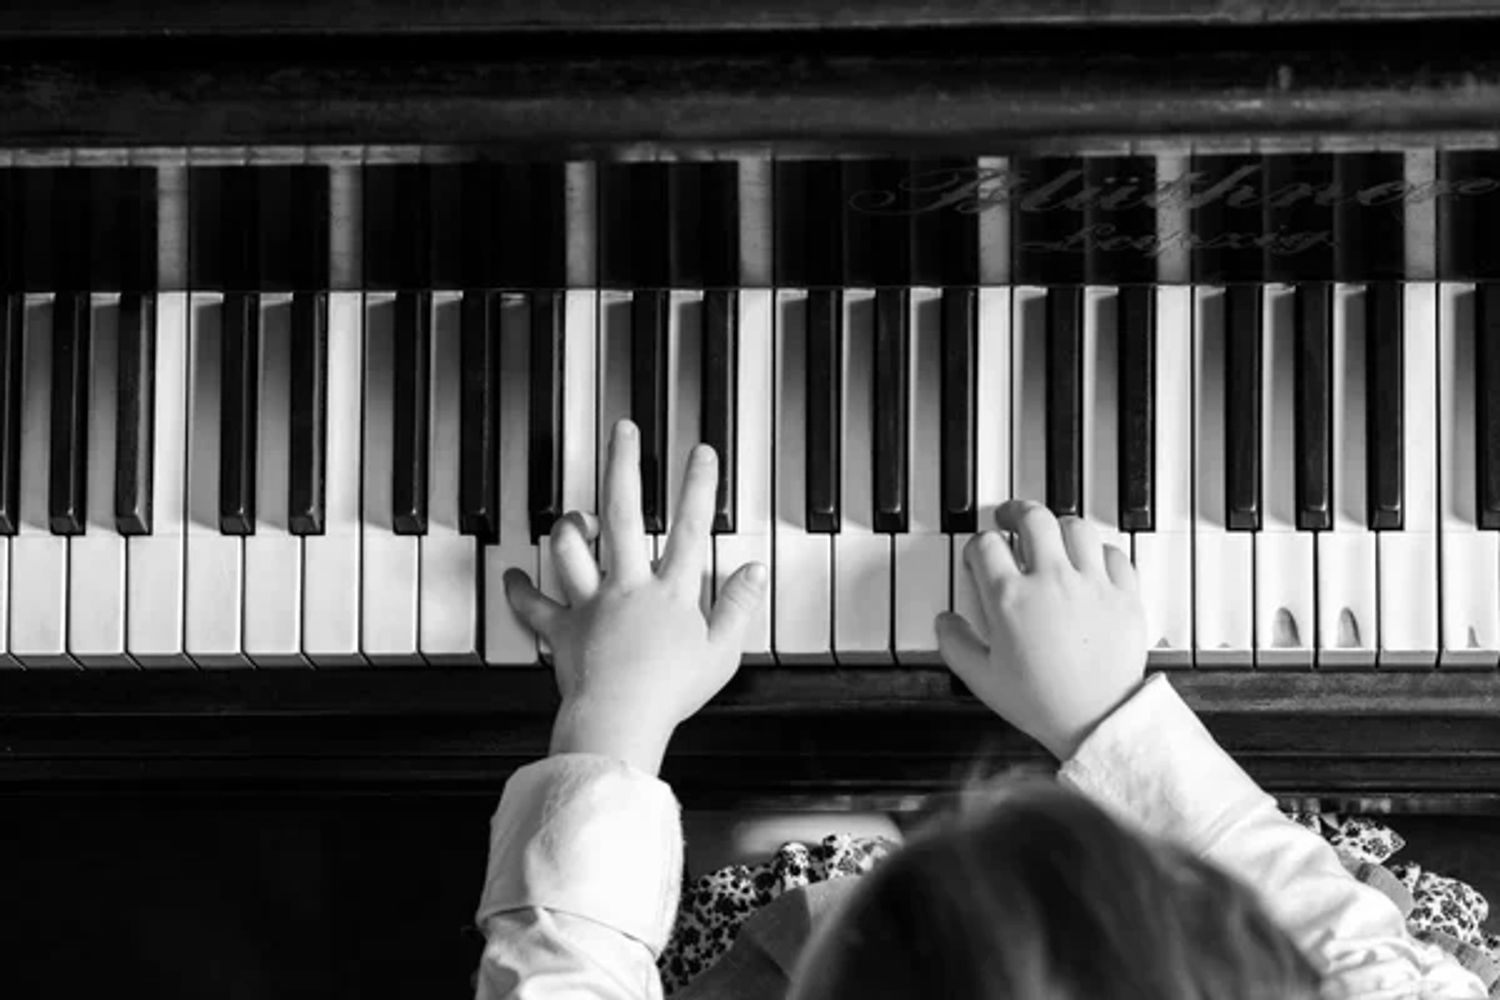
column 1439, row 909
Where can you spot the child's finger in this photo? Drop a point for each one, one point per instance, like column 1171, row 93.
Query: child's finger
column 991, row 563
column 961, row 647
column 687, row 542
column 1118, row 565
column 1041, row 537
column 1083, row 545
column 624, row 530
column 533, row 607
column 739, row 600
column 577, row 571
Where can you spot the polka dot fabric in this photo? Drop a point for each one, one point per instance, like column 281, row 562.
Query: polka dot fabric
column 1439, row 909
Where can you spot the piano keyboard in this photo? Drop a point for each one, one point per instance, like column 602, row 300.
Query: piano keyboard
column 304, row 410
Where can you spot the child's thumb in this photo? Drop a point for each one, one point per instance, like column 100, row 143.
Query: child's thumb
column 961, row 647
column 739, row 600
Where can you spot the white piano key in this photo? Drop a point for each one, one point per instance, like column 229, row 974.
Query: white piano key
column 1101, row 415
column 1028, row 395
column 448, row 577
column 992, row 437
column 755, row 186
column 389, row 591
column 684, row 410
column 751, row 540
column 1223, row 578
column 580, row 202
column 507, row 640
column 1346, row 555
column 580, row 448
column 39, row 559
column 156, row 585
column 921, row 554
column 1285, row 605
column 802, row 572
column 1164, row 557
column 1409, row 614
column 331, row 561
column 273, row 555
column 215, row 562
column 1469, row 559
column 96, row 559
column 614, row 390
column 862, row 561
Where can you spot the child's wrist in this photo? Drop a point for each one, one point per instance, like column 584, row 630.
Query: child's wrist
column 585, row 729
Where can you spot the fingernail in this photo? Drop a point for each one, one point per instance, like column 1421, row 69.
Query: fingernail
column 624, row 429
column 756, row 574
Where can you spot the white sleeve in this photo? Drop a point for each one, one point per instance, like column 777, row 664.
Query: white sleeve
column 584, row 873
column 1154, row 765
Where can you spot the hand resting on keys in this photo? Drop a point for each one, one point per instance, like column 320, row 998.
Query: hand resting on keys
column 1063, row 642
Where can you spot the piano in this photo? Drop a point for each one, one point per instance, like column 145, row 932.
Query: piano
column 313, row 321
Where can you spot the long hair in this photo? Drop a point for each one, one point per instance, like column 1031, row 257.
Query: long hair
column 1033, row 892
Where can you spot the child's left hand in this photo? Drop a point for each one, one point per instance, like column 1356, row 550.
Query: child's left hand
column 633, row 653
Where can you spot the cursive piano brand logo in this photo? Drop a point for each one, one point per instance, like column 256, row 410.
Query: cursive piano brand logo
column 969, row 190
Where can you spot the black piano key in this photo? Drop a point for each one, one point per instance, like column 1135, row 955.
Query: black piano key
column 12, row 230
column 960, row 345
column 1137, row 413
column 1314, row 420
column 808, row 239
column 1298, row 220
column 67, row 499
column 397, row 227
column 412, row 362
column 824, row 386
column 1487, row 403
column 1242, row 405
column 891, row 417
column 12, row 333
column 1383, row 405
column 720, row 401
column 877, row 236
column 109, row 218
column 310, row 227
column 719, row 221
column 479, row 427
column 308, row 408
column 634, row 238
column 1121, row 220
column 943, row 199
column 277, row 248
column 44, row 244
column 648, row 400
column 1222, row 250
column 684, row 225
column 239, row 390
column 532, row 224
column 135, row 422
column 546, row 402
column 1370, row 220
column 1048, row 222
column 481, row 228
column 1468, row 215
column 205, row 226
column 240, row 225
column 445, row 221
column 1064, row 400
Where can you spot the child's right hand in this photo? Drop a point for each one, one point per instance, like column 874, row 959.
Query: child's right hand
column 1064, row 640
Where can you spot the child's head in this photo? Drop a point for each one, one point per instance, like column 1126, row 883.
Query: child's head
column 1038, row 894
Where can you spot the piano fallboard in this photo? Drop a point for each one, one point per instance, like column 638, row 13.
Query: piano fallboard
column 775, row 738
